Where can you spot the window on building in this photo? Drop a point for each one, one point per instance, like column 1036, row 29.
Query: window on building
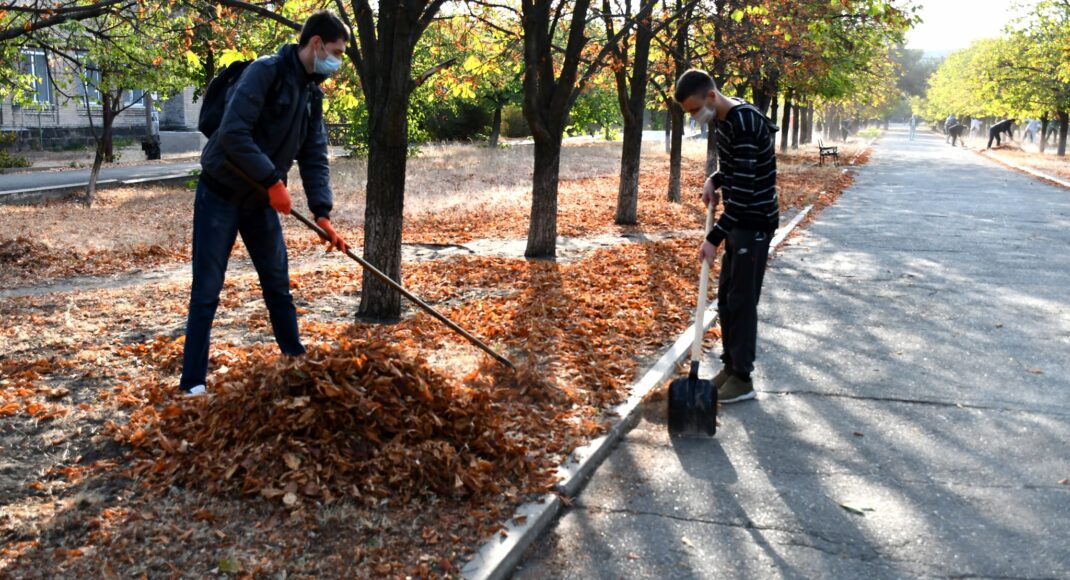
column 89, row 80
column 36, row 64
column 134, row 97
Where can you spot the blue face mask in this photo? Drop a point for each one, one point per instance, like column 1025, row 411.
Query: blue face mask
column 326, row 66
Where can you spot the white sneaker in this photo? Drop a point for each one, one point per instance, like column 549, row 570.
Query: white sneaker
column 195, row 391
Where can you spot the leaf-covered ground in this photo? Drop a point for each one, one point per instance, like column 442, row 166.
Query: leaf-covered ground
column 386, row 451
column 1047, row 163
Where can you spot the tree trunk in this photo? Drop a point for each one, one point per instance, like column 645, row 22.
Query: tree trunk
column 676, row 154
column 101, row 153
column 785, row 122
column 711, row 148
column 775, row 107
column 630, row 156
column 388, row 148
column 1063, row 127
column 668, row 129
column 382, row 228
column 762, row 100
column 146, row 100
column 632, row 96
column 1043, row 132
column 495, row 126
column 795, row 126
column 810, row 124
column 98, row 160
column 804, row 137
column 108, row 119
column 542, row 229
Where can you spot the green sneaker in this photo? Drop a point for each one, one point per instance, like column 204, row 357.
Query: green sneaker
column 735, row 390
column 721, row 378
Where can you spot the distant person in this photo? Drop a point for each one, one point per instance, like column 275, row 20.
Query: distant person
column 951, row 120
column 1004, row 126
column 1053, row 128
column 1031, row 128
column 748, row 177
column 274, row 116
column 975, row 127
column 954, row 134
column 913, row 126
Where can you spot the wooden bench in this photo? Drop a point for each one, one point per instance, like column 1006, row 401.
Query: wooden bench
column 833, row 152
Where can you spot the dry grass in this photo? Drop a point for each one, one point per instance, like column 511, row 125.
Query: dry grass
column 450, row 189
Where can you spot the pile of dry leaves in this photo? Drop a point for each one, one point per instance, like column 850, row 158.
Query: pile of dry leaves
column 356, row 418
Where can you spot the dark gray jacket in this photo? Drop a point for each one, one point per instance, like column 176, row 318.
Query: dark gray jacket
column 273, row 116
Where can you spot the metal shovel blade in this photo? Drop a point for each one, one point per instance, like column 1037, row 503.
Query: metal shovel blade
column 692, row 406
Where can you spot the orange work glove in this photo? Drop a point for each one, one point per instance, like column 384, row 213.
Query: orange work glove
column 279, row 198
column 335, row 240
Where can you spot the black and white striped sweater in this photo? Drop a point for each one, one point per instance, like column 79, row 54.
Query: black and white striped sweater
column 746, row 148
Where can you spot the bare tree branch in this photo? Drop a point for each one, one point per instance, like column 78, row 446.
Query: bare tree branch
column 433, row 71
column 260, row 10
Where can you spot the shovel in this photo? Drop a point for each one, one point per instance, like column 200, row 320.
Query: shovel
column 381, row 276
column 693, row 401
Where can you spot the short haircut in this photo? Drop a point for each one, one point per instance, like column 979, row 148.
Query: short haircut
column 691, row 83
column 325, row 25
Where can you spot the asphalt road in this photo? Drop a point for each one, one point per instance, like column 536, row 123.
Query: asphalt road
column 76, row 177
column 913, row 416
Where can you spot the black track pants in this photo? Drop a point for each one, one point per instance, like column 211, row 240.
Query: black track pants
column 739, row 288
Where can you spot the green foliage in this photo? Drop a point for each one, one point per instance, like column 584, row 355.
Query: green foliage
column 195, row 174
column 7, row 159
column 514, row 124
column 596, row 107
column 869, row 133
column 457, row 121
column 1022, row 74
column 359, row 135
column 915, row 70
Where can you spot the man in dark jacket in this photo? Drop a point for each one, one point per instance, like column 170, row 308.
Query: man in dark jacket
column 747, row 174
column 954, row 134
column 274, row 114
column 1004, row 126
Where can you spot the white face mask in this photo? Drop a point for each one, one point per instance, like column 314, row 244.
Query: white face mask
column 703, row 115
column 326, row 66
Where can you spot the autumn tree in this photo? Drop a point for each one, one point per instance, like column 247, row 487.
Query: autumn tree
column 630, row 71
column 1022, row 74
column 559, row 59
column 112, row 56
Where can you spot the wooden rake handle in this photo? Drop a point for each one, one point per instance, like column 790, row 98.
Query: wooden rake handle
column 383, row 277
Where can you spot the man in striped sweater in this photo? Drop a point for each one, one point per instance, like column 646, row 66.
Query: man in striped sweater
column 747, row 178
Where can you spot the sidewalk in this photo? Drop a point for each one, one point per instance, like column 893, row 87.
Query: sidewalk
column 914, row 408
column 48, row 184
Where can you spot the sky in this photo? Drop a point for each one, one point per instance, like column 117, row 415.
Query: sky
column 952, row 24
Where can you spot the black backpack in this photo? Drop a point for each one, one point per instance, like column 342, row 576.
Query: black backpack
column 215, row 98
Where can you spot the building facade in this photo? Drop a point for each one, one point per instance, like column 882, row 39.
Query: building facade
column 65, row 116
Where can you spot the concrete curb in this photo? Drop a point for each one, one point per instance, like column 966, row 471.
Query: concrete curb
column 499, row 556
column 1029, row 170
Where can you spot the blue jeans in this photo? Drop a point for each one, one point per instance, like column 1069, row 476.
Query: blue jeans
column 216, row 225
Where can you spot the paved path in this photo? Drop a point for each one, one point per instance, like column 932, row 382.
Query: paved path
column 57, row 179
column 913, row 362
